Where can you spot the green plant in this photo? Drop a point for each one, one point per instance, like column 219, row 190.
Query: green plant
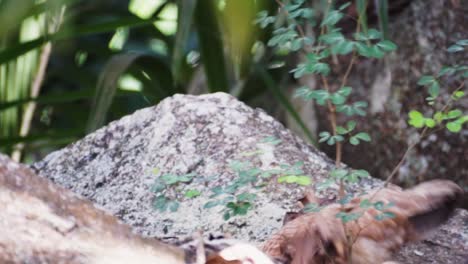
column 165, row 198
column 331, row 42
column 320, row 52
column 444, row 113
column 235, row 198
column 238, row 197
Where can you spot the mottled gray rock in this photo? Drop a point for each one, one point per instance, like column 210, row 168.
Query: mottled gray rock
column 116, row 166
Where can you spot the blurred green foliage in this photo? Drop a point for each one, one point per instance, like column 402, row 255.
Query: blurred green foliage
column 111, row 57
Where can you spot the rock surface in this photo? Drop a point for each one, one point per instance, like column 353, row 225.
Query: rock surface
column 43, row 223
column 220, row 140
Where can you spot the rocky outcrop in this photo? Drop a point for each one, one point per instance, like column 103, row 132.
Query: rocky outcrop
column 44, row 223
column 187, row 147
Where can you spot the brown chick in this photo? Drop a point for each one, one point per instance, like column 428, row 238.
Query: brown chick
column 323, row 238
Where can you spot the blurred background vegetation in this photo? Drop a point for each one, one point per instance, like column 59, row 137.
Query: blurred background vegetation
column 68, row 67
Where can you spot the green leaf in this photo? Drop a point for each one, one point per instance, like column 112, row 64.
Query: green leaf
column 361, row 173
column 337, row 99
column 458, row 94
column 173, row 206
column 332, row 38
column 332, row 18
column 192, row 193
column 211, row 46
column 226, row 215
column 320, row 68
column 283, row 36
column 364, row 50
column 242, row 209
column 376, row 52
column 17, row 50
column 453, row 127
column 158, row 187
column 343, row 47
column 361, row 7
column 430, row 122
column 299, row 71
column 304, row 180
column 286, row 179
column 325, row 184
column 296, row 44
column 439, row 116
column 426, row 79
column 185, row 11
column 357, row 107
column 160, row 203
column 434, row 89
column 338, row 173
column 454, row 113
column 301, row 180
column 246, row 197
column 383, row 14
column 107, row 83
column 462, row 42
column 341, row 130
column 354, row 141
column 302, row 12
column 387, row 45
column 446, row 71
column 263, row 19
column 416, row 119
column 351, row 125
column 455, row 48
column 324, row 136
column 211, row 204
column 345, row 90
column 170, row 179
column 343, row 6
column 363, row 136
column 303, row 92
column 373, row 34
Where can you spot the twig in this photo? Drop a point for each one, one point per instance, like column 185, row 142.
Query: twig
column 412, row 146
column 35, row 88
column 299, row 28
column 31, row 107
column 200, row 247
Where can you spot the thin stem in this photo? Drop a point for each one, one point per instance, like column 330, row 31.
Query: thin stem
column 299, row 28
column 36, row 87
column 31, row 107
column 348, row 70
column 412, row 146
column 403, row 158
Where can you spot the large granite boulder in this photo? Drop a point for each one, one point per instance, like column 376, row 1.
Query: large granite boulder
column 205, row 142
